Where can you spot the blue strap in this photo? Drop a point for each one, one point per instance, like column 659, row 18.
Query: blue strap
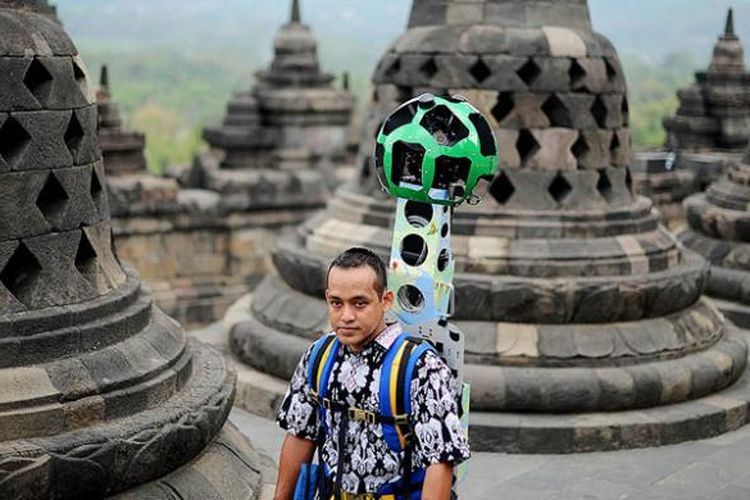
column 416, row 354
column 318, row 346
column 389, row 431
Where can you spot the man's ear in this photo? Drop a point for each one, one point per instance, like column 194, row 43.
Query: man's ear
column 387, row 299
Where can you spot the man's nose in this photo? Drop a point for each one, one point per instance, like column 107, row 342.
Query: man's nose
column 348, row 314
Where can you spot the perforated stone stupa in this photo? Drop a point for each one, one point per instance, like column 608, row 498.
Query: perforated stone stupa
column 586, row 328
column 709, row 131
column 101, row 392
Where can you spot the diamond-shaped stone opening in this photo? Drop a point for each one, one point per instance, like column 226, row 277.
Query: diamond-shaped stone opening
column 444, row 126
column 429, row 68
column 451, row 172
column 487, row 144
column 625, row 109
column 86, row 259
column 556, row 111
column 80, row 76
column 603, row 185
column 502, row 189
column 407, row 163
column 400, row 117
column 404, row 93
column 599, row 111
column 614, row 144
column 480, row 71
column 20, row 274
column 628, row 179
column 95, row 189
column 365, row 172
column 394, row 68
column 529, row 72
column 13, row 141
column 611, row 71
column 38, row 80
column 52, row 199
column 526, row 145
column 74, row 136
column 503, row 107
column 576, row 73
column 580, row 147
column 559, row 188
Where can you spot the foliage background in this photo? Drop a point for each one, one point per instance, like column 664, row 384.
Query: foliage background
column 173, row 64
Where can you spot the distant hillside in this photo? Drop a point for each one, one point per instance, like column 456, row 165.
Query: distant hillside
column 174, row 63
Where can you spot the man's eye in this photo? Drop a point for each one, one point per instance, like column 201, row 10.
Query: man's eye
column 360, row 304
column 335, row 304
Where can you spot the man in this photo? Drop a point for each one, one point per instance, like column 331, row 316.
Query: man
column 358, row 299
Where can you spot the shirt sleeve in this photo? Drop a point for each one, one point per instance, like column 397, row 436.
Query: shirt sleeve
column 298, row 413
column 440, row 438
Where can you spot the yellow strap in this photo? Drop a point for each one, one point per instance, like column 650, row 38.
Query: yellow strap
column 321, row 366
column 394, row 389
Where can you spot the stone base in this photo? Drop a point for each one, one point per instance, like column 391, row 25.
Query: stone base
column 710, row 416
column 724, row 411
column 229, row 468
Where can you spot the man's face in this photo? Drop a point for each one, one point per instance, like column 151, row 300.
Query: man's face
column 354, row 307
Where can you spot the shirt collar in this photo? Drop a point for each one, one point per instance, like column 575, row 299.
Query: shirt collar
column 384, row 340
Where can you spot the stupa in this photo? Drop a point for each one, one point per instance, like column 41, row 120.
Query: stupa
column 709, row 131
column 714, row 112
column 718, row 228
column 281, row 140
column 585, row 322
column 122, row 149
column 101, row 392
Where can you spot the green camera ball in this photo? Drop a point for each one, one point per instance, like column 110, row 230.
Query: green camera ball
column 435, row 150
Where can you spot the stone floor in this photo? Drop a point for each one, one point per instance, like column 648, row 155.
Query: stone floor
column 716, row 468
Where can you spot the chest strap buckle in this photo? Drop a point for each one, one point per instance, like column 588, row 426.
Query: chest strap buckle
column 358, row 414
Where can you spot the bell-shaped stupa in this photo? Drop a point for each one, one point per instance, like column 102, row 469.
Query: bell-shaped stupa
column 714, row 112
column 122, row 149
column 719, row 229
column 708, row 132
column 101, row 392
column 583, row 316
column 280, row 141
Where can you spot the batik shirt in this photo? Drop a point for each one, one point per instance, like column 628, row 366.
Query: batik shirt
column 355, row 381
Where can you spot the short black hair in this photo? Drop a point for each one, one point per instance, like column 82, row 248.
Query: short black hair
column 358, row 257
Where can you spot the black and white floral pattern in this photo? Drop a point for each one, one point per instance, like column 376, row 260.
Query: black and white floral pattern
column 354, row 382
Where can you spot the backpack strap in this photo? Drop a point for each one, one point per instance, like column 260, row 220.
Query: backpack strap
column 395, row 389
column 320, row 365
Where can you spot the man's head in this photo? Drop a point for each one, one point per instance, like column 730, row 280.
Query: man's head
column 357, row 296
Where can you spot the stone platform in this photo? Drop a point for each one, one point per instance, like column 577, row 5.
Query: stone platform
column 711, row 469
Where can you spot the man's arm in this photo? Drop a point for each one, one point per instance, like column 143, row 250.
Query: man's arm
column 294, row 452
column 437, row 482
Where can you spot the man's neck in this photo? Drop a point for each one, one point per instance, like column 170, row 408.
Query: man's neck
column 375, row 333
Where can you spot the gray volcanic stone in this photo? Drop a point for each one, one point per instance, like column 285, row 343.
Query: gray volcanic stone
column 718, row 230
column 101, row 391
